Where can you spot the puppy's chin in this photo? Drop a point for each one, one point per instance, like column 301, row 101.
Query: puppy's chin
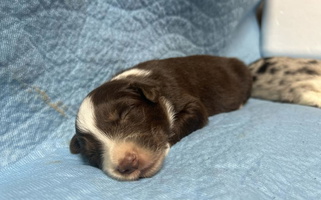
column 128, row 162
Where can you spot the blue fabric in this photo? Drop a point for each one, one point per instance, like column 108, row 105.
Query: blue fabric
column 52, row 53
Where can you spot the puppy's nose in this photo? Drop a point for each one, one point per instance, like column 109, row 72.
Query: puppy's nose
column 128, row 164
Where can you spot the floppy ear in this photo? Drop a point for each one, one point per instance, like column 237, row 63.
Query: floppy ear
column 74, row 145
column 150, row 92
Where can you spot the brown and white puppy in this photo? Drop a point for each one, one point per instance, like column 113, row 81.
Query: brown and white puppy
column 285, row 79
column 127, row 125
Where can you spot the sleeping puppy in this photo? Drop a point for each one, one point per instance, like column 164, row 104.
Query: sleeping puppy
column 127, row 125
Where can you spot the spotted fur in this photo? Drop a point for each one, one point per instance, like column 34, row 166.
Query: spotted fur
column 285, row 79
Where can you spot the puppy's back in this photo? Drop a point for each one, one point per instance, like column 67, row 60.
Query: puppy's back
column 222, row 84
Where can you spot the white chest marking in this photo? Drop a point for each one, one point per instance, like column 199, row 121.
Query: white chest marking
column 132, row 72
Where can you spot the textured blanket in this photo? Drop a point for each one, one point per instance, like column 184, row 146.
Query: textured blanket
column 52, row 53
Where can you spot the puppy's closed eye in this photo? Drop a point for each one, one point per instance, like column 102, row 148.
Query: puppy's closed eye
column 120, row 114
column 123, row 113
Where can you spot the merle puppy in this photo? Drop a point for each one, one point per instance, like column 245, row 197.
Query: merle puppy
column 285, row 79
column 127, row 125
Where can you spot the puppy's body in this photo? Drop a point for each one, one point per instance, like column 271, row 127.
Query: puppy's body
column 294, row 80
column 127, row 125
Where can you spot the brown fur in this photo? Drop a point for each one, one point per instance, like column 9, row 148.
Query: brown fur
column 132, row 108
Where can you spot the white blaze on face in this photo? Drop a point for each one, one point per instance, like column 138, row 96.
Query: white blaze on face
column 114, row 150
column 86, row 122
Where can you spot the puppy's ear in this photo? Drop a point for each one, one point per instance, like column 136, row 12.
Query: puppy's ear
column 149, row 91
column 74, row 145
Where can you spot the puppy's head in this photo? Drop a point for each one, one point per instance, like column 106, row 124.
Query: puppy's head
column 123, row 128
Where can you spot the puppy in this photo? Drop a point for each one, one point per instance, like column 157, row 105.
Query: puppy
column 293, row 80
column 127, row 125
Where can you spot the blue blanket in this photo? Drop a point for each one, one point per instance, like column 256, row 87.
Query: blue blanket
column 52, row 53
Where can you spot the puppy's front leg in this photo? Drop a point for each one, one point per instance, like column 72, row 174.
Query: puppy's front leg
column 192, row 117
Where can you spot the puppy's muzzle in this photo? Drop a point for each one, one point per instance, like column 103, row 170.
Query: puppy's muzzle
column 128, row 164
